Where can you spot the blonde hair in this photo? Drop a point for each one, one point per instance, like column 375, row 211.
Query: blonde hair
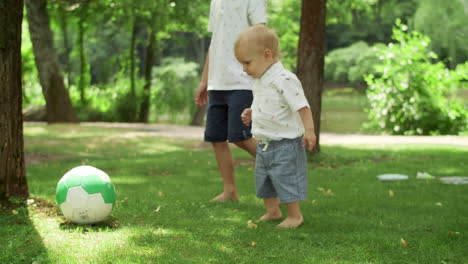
column 259, row 38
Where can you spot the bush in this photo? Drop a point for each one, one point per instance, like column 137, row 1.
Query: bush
column 176, row 82
column 412, row 95
column 112, row 103
column 351, row 64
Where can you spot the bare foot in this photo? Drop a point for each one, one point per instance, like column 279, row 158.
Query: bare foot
column 291, row 222
column 271, row 216
column 225, row 197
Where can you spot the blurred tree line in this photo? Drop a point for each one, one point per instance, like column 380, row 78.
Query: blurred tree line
column 139, row 60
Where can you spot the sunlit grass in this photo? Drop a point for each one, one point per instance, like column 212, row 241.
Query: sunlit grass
column 162, row 213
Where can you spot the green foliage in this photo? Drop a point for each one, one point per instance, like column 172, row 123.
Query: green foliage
column 446, row 24
column 176, row 81
column 32, row 91
column 349, row 21
column 172, row 94
column 284, row 16
column 412, row 94
column 350, row 64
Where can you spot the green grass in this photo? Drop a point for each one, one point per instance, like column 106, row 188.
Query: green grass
column 343, row 111
column 162, row 214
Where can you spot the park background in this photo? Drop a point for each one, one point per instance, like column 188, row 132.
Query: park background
column 391, row 68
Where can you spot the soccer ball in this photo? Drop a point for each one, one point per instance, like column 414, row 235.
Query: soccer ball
column 85, row 195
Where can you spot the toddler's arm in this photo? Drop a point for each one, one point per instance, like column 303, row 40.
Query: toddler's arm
column 246, row 116
column 309, row 134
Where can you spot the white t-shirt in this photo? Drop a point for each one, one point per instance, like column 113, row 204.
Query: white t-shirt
column 277, row 97
column 227, row 19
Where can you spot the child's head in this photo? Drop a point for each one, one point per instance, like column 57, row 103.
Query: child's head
column 257, row 48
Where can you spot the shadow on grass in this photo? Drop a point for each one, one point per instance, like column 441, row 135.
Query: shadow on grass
column 19, row 240
column 109, row 224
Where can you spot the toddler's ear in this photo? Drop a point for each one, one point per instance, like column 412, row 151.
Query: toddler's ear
column 267, row 53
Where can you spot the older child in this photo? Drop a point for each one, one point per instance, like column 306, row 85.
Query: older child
column 224, row 86
column 281, row 121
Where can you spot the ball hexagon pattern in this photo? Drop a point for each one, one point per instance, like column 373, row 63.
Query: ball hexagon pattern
column 85, row 195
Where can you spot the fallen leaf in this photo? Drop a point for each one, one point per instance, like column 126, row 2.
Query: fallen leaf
column 403, row 243
column 453, row 233
column 391, row 193
column 250, row 224
column 235, row 210
column 254, row 243
column 328, row 192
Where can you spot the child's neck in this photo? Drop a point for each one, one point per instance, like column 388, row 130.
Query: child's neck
column 268, row 67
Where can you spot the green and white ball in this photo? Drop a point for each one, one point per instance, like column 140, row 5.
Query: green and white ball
column 85, row 195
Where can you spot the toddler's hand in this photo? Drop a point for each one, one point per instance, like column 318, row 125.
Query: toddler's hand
column 309, row 139
column 246, row 116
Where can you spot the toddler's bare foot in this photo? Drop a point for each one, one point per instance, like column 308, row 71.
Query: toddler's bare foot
column 225, row 197
column 291, row 222
column 271, row 216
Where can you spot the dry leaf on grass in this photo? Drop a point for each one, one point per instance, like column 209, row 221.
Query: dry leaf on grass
column 328, row 192
column 157, row 209
column 403, row 243
column 250, row 224
column 391, row 193
column 254, row 243
column 453, row 233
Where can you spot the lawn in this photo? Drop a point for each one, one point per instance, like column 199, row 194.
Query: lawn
column 162, row 213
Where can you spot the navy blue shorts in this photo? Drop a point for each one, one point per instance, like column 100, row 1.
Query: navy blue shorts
column 223, row 117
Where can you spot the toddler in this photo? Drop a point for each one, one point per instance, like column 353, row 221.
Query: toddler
column 281, row 121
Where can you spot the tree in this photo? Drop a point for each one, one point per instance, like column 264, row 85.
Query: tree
column 449, row 40
column 58, row 104
column 13, row 181
column 311, row 57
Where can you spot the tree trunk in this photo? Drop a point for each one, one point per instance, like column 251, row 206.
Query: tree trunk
column 58, row 104
column 149, row 62
column 63, row 19
column 199, row 116
column 13, row 181
column 311, row 57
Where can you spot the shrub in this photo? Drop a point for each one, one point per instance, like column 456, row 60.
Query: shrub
column 351, row 64
column 176, row 82
column 411, row 95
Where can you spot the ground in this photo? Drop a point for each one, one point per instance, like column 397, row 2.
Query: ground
column 195, row 132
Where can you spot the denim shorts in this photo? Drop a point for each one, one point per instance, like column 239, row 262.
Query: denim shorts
column 223, row 117
column 281, row 170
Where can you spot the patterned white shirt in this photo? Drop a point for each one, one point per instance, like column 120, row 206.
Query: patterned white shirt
column 277, row 97
column 227, row 19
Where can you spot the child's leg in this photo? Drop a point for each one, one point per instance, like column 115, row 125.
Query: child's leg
column 294, row 218
column 226, row 168
column 272, row 208
column 249, row 145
